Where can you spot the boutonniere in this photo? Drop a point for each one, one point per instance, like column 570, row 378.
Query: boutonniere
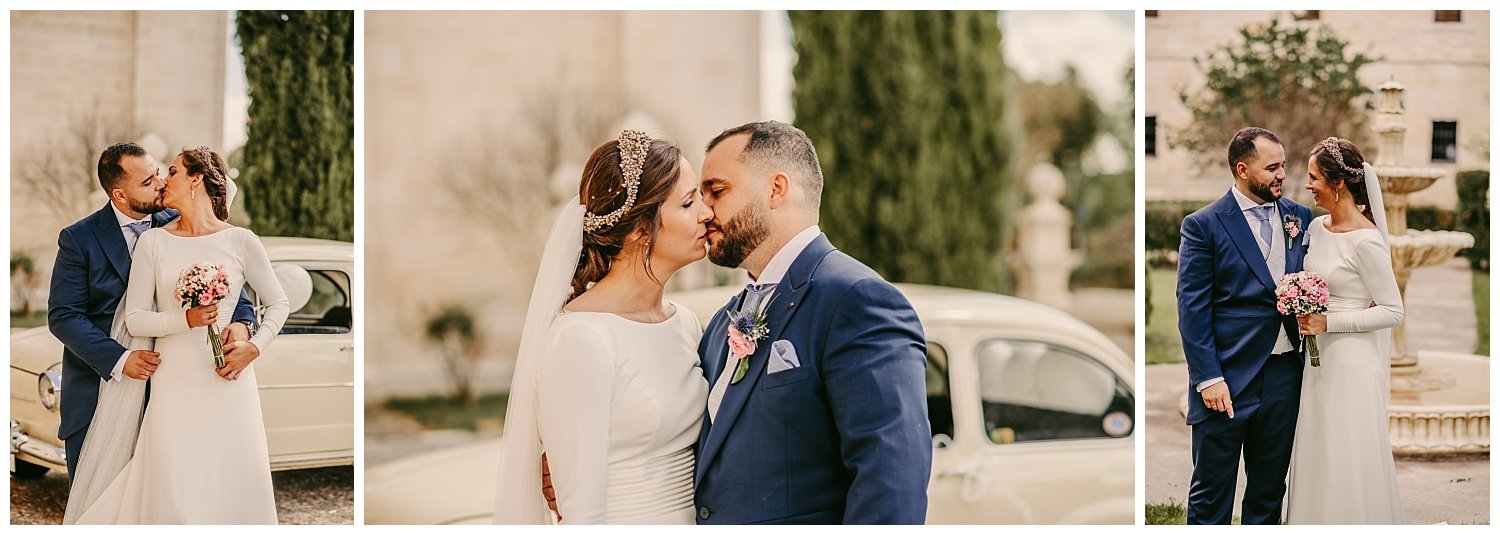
column 1293, row 226
column 746, row 330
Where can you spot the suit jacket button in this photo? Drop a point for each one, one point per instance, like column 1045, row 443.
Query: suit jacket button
column 703, row 513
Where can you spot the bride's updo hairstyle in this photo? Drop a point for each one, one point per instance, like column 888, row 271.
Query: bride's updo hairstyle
column 201, row 160
column 624, row 183
column 1341, row 162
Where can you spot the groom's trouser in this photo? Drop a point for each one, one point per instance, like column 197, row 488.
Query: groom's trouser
column 74, row 446
column 1264, row 425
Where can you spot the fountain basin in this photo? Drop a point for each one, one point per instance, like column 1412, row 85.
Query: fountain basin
column 1401, row 179
column 1422, row 248
column 1446, row 422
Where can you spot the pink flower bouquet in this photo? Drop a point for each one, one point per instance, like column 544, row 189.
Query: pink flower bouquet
column 1302, row 293
column 205, row 284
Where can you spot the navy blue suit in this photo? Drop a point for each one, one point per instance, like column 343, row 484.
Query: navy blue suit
column 844, row 438
column 88, row 281
column 1226, row 305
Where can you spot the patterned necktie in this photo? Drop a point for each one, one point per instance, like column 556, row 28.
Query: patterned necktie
column 1264, row 214
column 755, row 294
column 136, row 229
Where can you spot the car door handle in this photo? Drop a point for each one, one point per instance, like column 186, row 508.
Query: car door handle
column 349, row 347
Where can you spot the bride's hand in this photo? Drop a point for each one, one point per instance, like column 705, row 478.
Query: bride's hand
column 1310, row 324
column 202, row 315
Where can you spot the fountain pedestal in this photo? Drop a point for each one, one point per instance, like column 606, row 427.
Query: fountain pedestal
column 1439, row 401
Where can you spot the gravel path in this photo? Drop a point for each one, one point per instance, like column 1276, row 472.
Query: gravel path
column 311, row 496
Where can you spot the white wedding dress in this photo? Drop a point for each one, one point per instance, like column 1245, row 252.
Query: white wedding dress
column 1342, row 471
column 619, row 407
column 201, row 457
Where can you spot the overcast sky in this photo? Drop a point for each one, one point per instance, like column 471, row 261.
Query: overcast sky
column 1101, row 44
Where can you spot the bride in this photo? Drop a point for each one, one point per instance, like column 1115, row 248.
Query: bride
column 200, row 456
column 607, row 382
column 1342, row 471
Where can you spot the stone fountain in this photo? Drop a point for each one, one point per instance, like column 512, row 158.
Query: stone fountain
column 1439, row 400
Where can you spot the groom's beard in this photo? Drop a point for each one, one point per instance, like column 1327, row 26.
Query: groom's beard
column 741, row 235
column 1263, row 192
column 149, row 207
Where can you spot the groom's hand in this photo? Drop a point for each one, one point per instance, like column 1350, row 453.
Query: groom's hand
column 237, row 356
column 236, row 332
column 547, row 490
column 141, row 364
column 202, row 315
column 1216, row 397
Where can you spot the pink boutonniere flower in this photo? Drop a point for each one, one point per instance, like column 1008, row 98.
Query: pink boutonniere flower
column 746, row 330
column 1293, row 226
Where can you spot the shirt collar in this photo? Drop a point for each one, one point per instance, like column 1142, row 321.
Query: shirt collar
column 782, row 261
column 125, row 219
column 1244, row 201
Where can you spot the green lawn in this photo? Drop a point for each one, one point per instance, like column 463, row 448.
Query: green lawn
column 443, row 412
column 1163, row 343
column 1170, row 514
column 35, row 319
column 1482, row 310
column 1166, row 514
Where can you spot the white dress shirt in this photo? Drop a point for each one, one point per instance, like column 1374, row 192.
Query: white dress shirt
column 1283, row 342
column 130, row 239
column 775, row 270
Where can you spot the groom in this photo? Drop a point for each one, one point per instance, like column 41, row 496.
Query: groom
column 828, row 422
column 88, row 281
column 1244, row 358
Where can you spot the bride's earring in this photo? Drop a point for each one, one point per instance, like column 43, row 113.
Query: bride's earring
column 193, row 193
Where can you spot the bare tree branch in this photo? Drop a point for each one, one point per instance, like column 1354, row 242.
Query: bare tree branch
column 61, row 174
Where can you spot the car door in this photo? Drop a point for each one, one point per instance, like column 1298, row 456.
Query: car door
column 1043, row 434
column 307, row 375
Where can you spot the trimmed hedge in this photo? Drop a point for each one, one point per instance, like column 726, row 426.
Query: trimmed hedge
column 1474, row 215
column 1430, row 218
column 1164, row 223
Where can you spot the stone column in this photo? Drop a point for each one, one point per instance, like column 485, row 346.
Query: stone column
column 1045, row 257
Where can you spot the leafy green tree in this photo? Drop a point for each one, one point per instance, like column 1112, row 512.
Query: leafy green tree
column 908, row 113
column 1060, row 120
column 1299, row 81
column 298, row 174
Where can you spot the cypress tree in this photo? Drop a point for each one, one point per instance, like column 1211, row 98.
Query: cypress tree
column 907, row 111
column 298, row 174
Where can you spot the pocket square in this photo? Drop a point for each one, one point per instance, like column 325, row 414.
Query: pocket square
column 783, row 357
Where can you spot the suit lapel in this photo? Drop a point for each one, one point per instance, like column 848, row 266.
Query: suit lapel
column 1239, row 232
column 784, row 302
column 1296, row 252
column 112, row 240
column 718, row 337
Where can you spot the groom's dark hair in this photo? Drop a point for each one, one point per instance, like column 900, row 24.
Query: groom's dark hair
column 775, row 142
column 110, row 170
column 1242, row 146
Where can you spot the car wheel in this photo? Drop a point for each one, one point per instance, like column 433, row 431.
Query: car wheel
column 25, row 470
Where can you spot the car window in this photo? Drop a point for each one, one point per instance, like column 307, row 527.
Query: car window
column 328, row 309
column 1034, row 391
column 939, row 397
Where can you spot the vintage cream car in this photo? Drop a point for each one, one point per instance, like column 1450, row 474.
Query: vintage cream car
column 1032, row 415
column 306, row 377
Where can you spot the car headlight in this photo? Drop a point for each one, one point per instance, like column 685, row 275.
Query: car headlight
column 49, row 387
